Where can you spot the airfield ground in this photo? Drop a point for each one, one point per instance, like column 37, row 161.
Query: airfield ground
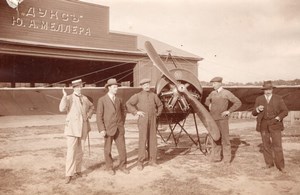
column 33, row 149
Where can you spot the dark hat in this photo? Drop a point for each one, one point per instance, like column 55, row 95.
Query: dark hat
column 143, row 81
column 77, row 82
column 267, row 85
column 217, row 79
column 110, row 82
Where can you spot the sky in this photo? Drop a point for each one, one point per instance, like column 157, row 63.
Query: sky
column 240, row 40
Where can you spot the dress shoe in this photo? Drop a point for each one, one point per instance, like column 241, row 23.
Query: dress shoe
column 268, row 166
column 68, row 179
column 214, row 159
column 140, row 167
column 111, row 172
column 153, row 164
column 78, row 175
column 125, row 170
column 226, row 163
column 282, row 170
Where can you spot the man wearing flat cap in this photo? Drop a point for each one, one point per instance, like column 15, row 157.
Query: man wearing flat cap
column 270, row 110
column 110, row 121
column 148, row 107
column 79, row 109
column 218, row 103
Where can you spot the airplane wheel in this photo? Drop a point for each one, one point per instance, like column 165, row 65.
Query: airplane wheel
column 208, row 144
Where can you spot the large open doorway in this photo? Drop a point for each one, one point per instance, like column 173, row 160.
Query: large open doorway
column 31, row 71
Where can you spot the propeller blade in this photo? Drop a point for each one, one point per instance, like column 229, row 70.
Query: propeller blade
column 200, row 110
column 203, row 115
column 158, row 63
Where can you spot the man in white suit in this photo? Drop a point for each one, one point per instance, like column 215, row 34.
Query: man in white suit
column 79, row 109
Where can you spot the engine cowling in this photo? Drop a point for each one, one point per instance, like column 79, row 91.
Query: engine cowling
column 176, row 107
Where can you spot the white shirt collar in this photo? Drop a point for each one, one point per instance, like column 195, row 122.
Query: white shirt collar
column 78, row 95
column 268, row 97
column 220, row 89
column 111, row 96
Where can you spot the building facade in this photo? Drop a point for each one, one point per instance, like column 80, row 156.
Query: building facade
column 43, row 43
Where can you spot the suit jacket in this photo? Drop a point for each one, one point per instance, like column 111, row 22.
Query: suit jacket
column 278, row 108
column 78, row 113
column 110, row 116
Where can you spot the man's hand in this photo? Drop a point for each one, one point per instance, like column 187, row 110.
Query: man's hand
column 225, row 113
column 64, row 92
column 102, row 133
column 277, row 118
column 140, row 113
column 260, row 108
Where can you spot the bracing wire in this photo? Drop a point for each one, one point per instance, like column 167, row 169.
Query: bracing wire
column 129, row 70
column 94, row 72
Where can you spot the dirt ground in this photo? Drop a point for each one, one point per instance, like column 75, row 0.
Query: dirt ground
column 33, row 150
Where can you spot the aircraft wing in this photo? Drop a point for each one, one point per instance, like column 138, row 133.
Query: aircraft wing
column 44, row 101
column 248, row 94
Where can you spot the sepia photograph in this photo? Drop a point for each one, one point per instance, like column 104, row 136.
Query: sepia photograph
column 150, row 97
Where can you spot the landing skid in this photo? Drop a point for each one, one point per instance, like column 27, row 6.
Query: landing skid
column 205, row 147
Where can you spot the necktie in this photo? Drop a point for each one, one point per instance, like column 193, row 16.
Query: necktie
column 80, row 99
column 113, row 99
column 268, row 98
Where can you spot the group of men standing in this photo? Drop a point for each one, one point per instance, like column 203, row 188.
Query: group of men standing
column 111, row 113
column 110, row 117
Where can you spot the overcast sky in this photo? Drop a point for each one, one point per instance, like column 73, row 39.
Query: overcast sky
column 240, row 40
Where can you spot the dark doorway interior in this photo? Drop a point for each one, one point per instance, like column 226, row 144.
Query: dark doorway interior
column 46, row 71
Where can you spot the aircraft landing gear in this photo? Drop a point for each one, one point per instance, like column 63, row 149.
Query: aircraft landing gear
column 203, row 142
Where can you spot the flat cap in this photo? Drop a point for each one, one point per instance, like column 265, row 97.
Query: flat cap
column 143, row 81
column 217, row 79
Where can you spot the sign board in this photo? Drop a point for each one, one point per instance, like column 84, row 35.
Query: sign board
column 61, row 22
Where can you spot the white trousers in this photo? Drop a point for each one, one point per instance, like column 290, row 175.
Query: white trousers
column 75, row 149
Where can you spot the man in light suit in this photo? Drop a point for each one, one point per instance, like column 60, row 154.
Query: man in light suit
column 110, row 121
column 79, row 109
column 270, row 110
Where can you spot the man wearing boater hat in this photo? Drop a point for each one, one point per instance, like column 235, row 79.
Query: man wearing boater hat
column 270, row 110
column 218, row 103
column 110, row 121
column 79, row 109
column 147, row 106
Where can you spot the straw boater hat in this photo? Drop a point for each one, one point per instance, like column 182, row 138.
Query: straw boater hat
column 111, row 82
column 77, row 83
column 143, row 81
column 267, row 85
column 216, row 79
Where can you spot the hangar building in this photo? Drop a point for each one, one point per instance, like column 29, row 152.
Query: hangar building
column 43, row 43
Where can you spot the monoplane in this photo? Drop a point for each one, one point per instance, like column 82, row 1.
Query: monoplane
column 178, row 88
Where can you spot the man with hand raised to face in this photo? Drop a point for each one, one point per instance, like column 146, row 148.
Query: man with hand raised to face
column 79, row 110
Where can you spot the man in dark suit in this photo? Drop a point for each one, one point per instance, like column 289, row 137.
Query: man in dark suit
column 270, row 110
column 110, row 121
